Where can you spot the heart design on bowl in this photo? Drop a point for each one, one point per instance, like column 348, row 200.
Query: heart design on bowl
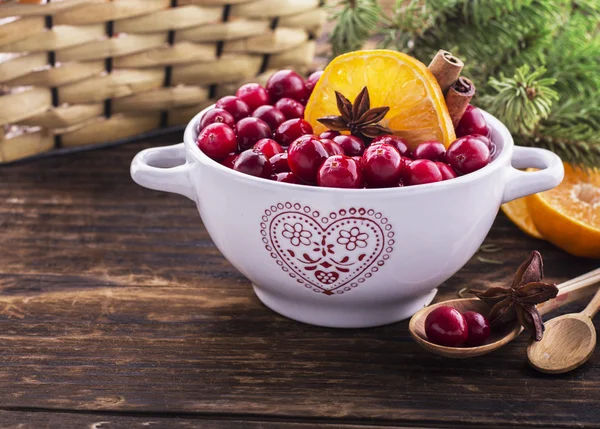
column 329, row 254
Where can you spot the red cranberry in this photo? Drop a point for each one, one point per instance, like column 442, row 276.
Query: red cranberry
column 447, row 171
column 216, row 115
column 269, row 147
column 250, row 130
column 433, row 151
column 312, row 80
column 446, row 326
column 382, row 166
column 230, row 160
column 329, row 134
column 290, row 108
column 340, row 171
column 253, row 95
column 236, row 107
column 478, row 326
column 286, row 83
column 398, row 142
column 421, row 171
column 290, row 130
column 254, row 163
column 271, row 115
column 287, row 177
column 358, row 159
column 305, row 156
column 468, row 154
column 279, row 163
column 472, row 122
column 352, row 145
column 490, row 144
column 217, row 141
column 332, row 147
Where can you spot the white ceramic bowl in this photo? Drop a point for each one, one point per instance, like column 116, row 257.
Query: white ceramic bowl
column 341, row 257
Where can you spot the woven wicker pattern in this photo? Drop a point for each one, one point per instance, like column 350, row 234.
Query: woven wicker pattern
column 82, row 72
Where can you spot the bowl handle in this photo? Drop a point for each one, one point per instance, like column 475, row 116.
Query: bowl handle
column 164, row 169
column 521, row 183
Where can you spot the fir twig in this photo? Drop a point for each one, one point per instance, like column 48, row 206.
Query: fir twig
column 523, row 100
column 356, row 21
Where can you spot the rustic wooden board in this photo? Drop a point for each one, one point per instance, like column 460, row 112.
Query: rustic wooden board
column 113, row 299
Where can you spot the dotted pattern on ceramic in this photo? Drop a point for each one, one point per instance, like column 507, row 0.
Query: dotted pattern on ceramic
column 84, row 72
column 330, row 254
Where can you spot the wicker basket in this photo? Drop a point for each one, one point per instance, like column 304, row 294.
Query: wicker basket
column 76, row 73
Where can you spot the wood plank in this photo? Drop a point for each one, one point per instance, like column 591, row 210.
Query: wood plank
column 58, row 420
column 113, row 298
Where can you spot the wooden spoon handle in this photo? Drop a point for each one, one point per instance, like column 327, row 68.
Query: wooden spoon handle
column 593, row 307
column 571, row 290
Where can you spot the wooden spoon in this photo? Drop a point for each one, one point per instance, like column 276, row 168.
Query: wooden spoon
column 568, row 341
column 569, row 291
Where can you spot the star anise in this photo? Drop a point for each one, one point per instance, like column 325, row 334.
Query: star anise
column 519, row 300
column 358, row 118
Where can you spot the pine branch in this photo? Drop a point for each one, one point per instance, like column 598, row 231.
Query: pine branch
column 521, row 101
column 356, row 21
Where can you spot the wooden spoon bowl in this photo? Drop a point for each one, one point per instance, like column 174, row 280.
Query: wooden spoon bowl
column 498, row 338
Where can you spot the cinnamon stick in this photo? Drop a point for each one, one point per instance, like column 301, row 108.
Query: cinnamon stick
column 458, row 98
column 446, row 68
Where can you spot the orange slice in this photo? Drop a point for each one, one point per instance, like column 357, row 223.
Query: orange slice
column 569, row 215
column 418, row 110
column 518, row 212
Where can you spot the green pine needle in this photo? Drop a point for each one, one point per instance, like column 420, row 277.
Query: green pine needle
column 523, row 100
column 355, row 23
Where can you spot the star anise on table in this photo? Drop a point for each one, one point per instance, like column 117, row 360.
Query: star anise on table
column 519, row 300
column 357, row 117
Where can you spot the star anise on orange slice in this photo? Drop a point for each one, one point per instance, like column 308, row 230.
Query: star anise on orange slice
column 519, row 300
column 357, row 117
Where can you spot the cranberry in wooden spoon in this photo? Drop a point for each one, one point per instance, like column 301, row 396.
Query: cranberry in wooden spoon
column 446, row 326
column 478, row 326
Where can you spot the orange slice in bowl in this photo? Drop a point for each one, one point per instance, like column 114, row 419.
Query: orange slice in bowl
column 418, row 110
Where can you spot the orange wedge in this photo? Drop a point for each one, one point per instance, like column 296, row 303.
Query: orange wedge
column 418, row 110
column 569, row 215
column 518, row 212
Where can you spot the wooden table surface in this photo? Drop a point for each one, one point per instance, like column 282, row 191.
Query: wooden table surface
column 117, row 311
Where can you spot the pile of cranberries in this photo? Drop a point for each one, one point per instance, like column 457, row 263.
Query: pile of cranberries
column 261, row 131
column 446, row 326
